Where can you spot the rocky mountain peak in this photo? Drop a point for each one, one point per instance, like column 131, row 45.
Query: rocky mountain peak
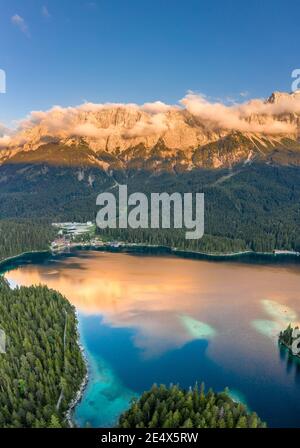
column 276, row 97
column 158, row 127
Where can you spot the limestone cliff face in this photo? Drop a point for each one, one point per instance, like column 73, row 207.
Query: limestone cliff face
column 117, row 128
column 200, row 134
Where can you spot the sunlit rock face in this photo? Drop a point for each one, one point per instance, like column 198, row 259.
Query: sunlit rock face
column 196, row 132
column 112, row 128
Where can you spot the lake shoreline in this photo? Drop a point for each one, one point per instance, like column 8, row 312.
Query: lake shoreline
column 79, row 394
column 115, row 246
column 134, row 250
column 23, row 254
column 155, row 250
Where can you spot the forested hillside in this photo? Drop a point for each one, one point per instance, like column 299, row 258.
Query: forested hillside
column 173, row 407
column 43, row 366
column 248, row 207
column 24, row 235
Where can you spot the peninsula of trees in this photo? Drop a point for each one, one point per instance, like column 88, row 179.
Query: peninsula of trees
column 42, row 367
column 173, row 407
column 290, row 337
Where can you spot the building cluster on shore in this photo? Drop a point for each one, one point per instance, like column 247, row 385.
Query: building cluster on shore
column 74, row 228
column 72, row 234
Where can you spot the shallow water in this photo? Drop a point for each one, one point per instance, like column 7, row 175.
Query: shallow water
column 146, row 319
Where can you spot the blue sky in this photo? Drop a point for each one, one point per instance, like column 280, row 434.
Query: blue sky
column 68, row 51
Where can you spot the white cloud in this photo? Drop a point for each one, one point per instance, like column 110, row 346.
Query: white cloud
column 21, row 24
column 5, row 138
column 156, row 107
column 92, row 5
column 150, row 120
column 256, row 116
column 3, row 130
column 45, row 12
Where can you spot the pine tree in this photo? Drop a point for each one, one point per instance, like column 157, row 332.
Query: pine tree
column 54, row 422
column 163, row 407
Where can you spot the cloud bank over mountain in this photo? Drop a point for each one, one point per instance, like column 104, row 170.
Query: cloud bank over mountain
column 257, row 116
column 194, row 120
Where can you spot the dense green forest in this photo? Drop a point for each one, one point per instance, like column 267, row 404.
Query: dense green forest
column 173, row 407
column 252, row 207
column 174, row 238
column 24, row 235
column 43, row 366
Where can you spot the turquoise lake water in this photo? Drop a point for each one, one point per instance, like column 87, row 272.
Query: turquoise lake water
column 146, row 319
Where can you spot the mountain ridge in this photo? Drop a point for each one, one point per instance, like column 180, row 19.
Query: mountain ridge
column 202, row 134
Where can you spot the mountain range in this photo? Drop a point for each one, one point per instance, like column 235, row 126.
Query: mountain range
column 245, row 157
column 160, row 137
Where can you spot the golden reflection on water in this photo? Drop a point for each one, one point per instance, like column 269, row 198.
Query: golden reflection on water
column 170, row 301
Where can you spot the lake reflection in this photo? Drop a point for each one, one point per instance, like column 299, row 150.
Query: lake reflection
column 163, row 319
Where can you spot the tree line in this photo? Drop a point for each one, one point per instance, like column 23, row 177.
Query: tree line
column 174, row 407
column 23, row 236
